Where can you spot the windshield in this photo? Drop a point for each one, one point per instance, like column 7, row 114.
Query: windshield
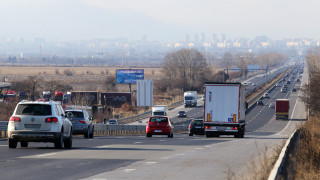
column 158, row 113
column 159, row 119
column 34, row 109
column 76, row 114
column 197, row 122
column 188, row 98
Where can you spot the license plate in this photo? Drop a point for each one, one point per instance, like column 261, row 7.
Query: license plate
column 221, row 128
column 198, row 127
column 157, row 130
column 37, row 126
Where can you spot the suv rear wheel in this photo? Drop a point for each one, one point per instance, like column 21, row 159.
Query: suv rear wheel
column 86, row 134
column 59, row 142
column 68, row 142
column 91, row 134
column 12, row 143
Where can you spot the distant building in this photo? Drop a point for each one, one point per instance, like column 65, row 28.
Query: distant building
column 202, row 37
column 186, row 38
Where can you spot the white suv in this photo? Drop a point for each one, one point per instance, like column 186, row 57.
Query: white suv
column 37, row 121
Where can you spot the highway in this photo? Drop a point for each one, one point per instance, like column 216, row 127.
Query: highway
column 159, row 157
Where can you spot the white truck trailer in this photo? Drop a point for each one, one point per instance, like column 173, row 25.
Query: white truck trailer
column 159, row 110
column 190, row 99
column 224, row 109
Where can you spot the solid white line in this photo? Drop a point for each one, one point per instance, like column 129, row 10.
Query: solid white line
column 129, row 170
column 48, row 154
column 3, row 145
column 102, row 146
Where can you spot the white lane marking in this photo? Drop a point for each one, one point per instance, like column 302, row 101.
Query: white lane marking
column 138, row 142
column 48, row 154
column 199, row 148
column 129, row 170
column 3, row 145
column 150, row 163
column 163, row 140
column 103, row 146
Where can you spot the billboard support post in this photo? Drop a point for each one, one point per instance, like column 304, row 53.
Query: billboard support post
column 130, row 87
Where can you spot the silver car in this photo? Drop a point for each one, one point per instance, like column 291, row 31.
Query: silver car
column 38, row 121
column 81, row 122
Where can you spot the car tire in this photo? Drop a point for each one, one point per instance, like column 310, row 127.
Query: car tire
column 68, row 142
column 91, row 134
column 12, row 143
column 86, row 134
column 24, row 144
column 190, row 134
column 170, row 135
column 59, row 142
column 149, row 135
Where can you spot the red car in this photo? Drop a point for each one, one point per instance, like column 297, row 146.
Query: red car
column 159, row 125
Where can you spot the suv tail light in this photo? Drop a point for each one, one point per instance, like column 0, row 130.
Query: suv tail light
column 15, row 119
column 82, row 121
column 189, row 126
column 51, row 120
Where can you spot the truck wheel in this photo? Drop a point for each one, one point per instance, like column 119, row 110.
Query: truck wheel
column 86, row 134
column 12, row 143
column 190, row 134
column 91, row 134
column 149, row 135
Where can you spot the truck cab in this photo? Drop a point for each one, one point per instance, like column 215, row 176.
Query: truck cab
column 190, row 99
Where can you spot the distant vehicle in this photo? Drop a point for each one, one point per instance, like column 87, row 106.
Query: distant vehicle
column 266, row 95
column 284, row 90
column 260, row 102
column 182, row 114
column 81, row 122
column 298, row 80
column 113, row 121
column 282, row 109
column 196, row 127
column 254, row 84
column 58, row 96
column 159, row 110
column 190, row 99
column 46, row 95
column 23, row 95
column 202, row 97
column 272, row 105
column 224, row 109
column 285, row 85
column 11, row 96
column 159, row 125
column 288, row 82
column 39, row 122
column 278, row 84
column 294, row 90
column 245, row 84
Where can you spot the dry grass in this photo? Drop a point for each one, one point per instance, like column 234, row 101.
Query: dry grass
column 50, row 70
column 307, row 159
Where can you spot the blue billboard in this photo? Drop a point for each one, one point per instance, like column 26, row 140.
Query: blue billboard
column 129, row 75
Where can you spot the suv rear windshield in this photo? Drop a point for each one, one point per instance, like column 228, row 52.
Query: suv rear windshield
column 159, row 119
column 34, row 109
column 76, row 114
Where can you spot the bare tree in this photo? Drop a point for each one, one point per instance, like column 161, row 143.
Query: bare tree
column 185, row 68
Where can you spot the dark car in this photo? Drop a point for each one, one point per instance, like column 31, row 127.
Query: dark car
column 81, row 122
column 294, row 90
column 196, row 127
column 182, row 114
column 159, row 125
column 260, row 102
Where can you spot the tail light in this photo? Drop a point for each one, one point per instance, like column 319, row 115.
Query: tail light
column 234, row 128
column 208, row 127
column 82, row 121
column 51, row 120
column 189, row 126
column 15, row 119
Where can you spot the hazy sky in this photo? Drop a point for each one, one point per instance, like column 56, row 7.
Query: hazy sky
column 158, row 19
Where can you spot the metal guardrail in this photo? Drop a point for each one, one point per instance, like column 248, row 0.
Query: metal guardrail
column 104, row 129
column 280, row 169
